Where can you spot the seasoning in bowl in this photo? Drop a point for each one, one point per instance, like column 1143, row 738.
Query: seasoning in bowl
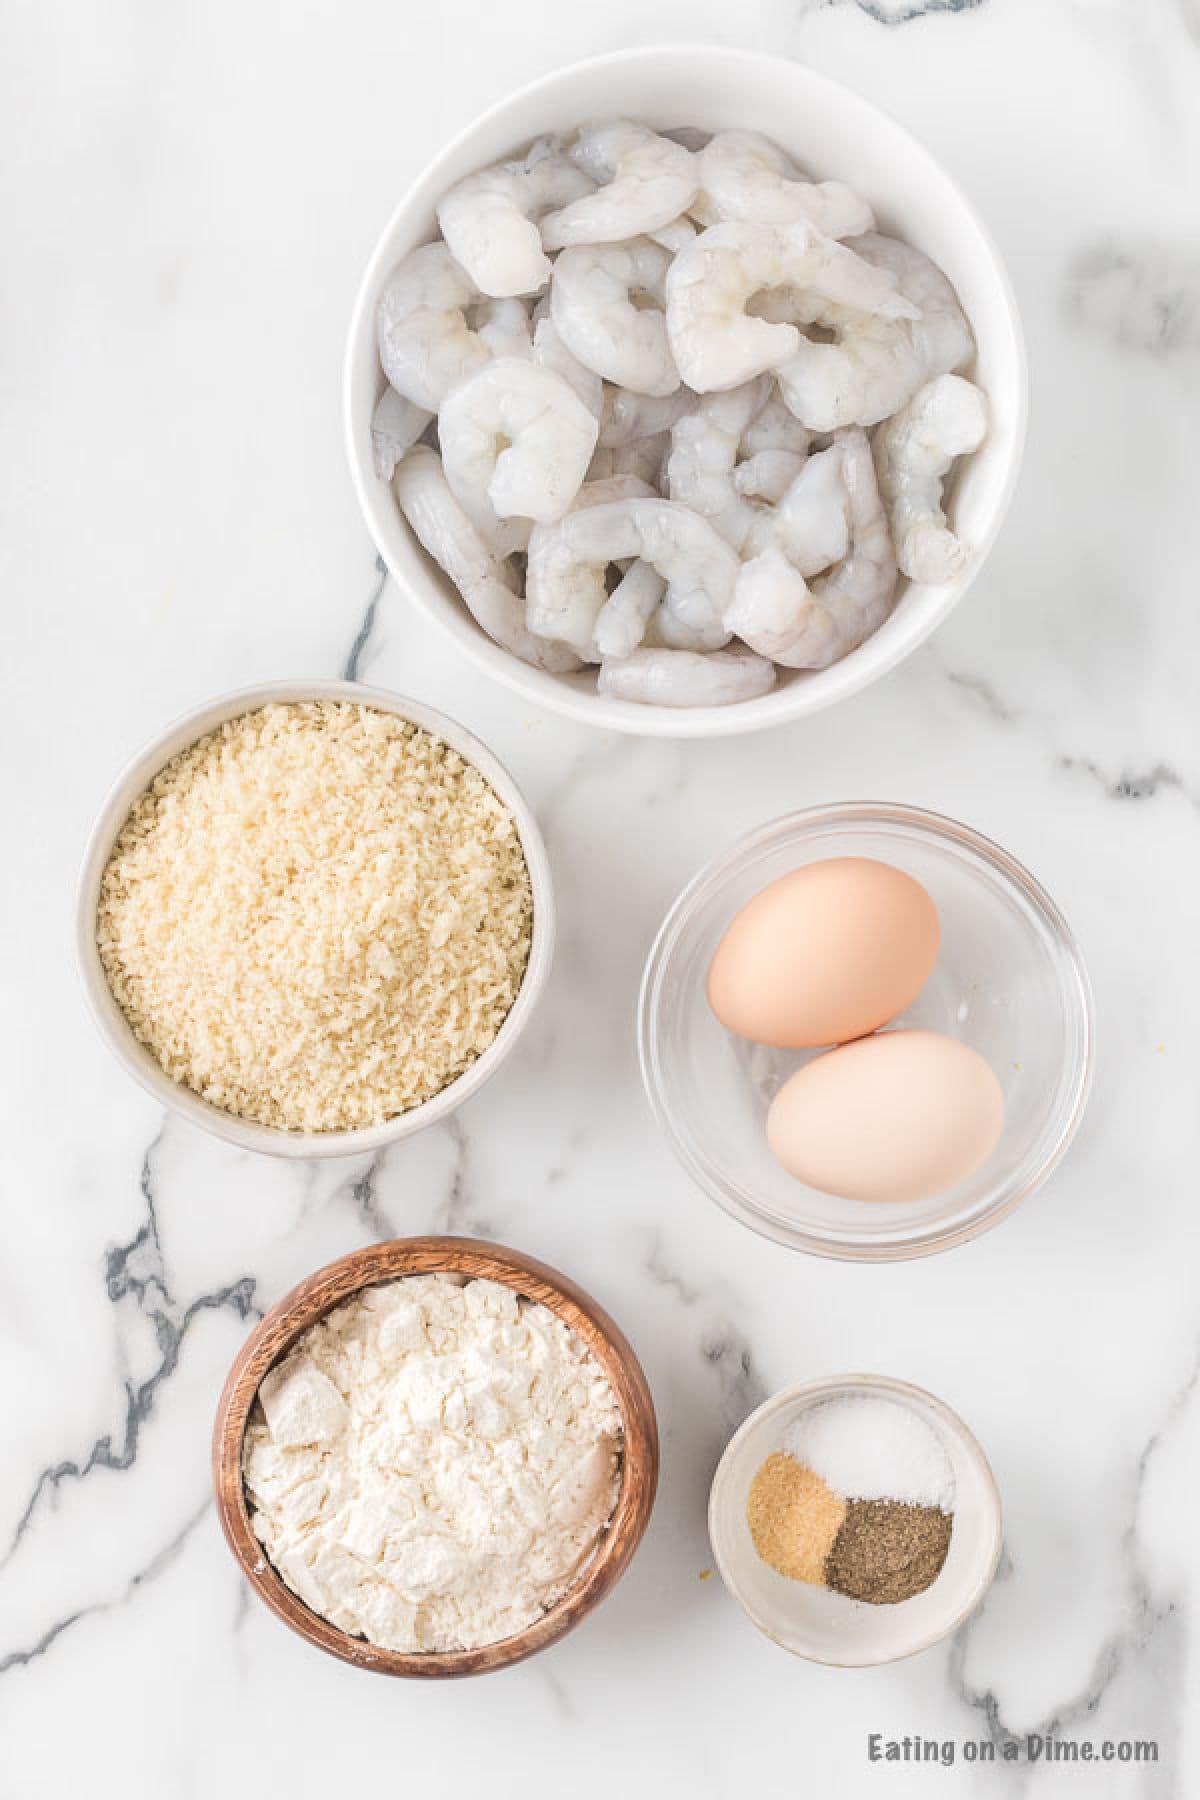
column 434, row 1463
column 859, row 1499
column 317, row 916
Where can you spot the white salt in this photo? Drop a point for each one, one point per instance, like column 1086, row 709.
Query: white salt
column 866, row 1448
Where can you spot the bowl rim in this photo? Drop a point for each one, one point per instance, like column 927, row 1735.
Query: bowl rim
column 1075, row 985
column 781, row 705
column 318, row 1294
column 136, row 776
column 829, row 1387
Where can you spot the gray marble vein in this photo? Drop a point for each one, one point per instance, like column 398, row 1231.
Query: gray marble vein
column 660, row 1271
column 728, row 1352
column 1150, row 1625
column 135, row 1271
column 1132, row 784
column 901, row 12
column 459, row 1214
column 353, row 666
column 141, row 1579
column 1138, row 295
column 986, row 693
column 364, row 1197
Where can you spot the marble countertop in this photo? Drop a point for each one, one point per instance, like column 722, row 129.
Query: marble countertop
column 189, row 195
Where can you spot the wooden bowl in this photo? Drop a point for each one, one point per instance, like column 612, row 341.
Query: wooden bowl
column 318, row 1295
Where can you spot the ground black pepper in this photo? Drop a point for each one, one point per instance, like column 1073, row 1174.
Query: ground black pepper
column 888, row 1550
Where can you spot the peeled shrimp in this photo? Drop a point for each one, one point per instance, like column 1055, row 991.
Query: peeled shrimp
column 877, row 363
column 780, row 615
column 484, row 581
column 746, row 176
column 684, row 678
column 565, row 588
column 488, row 219
column 622, row 620
column 396, row 424
column 628, row 416
column 425, row 344
column 704, row 452
column 644, row 457
column 776, row 427
column 913, row 454
column 504, row 326
column 633, row 596
column 551, row 353
column 811, row 523
column 516, row 442
column 647, row 182
column 716, row 344
column 592, row 304
column 767, row 475
column 676, row 236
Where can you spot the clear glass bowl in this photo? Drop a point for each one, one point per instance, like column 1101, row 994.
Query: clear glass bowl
column 1008, row 980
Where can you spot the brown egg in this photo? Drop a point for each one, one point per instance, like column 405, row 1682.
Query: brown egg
column 903, row 1115
column 828, row 953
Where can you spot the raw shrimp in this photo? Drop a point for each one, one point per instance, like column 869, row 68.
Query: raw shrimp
column 746, row 176
column 715, row 343
column 812, row 518
column 622, row 620
column 628, row 416
column 516, row 442
column 645, row 457
column 685, row 678
column 878, row 363
column 565, row 589
column 676, row 236
column 485, row 583
column 647, row 182
column 704, row 452
column 504, row 326
column 767, row 475
column 603, row 490
column 776, row 428
column 778, row 614
column 913, row 454
column 592, row 304
column 396, row 424
column 488, row 219
column 551, row 353
column 425, row 344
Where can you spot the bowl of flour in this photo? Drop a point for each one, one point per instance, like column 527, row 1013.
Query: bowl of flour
column 434, row 1457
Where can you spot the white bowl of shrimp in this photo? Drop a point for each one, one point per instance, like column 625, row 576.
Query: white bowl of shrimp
column 687, row 428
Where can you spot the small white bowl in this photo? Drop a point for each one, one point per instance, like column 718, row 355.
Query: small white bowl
column 814, row 1622
column 135, row 1057
column 831, row 132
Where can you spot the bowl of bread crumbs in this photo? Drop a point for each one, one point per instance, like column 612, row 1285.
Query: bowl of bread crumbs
column 314, row 917
column 855, row 1520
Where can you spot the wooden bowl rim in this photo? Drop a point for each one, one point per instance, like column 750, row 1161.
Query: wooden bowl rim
column 329, row 1286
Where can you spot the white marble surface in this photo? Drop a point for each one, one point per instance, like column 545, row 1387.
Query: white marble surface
column 188, row 196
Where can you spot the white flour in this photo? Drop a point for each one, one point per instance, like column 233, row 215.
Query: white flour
column 433, row 1463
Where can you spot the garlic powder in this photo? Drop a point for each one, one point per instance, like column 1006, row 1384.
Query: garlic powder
column 433, row 1464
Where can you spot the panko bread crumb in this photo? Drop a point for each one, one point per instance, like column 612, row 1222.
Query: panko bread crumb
column 317, row 916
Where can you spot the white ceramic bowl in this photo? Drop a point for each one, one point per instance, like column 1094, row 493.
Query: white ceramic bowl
column 134, row 1056
column 1008, row 980
column 831, row 132
column 826, row 1627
